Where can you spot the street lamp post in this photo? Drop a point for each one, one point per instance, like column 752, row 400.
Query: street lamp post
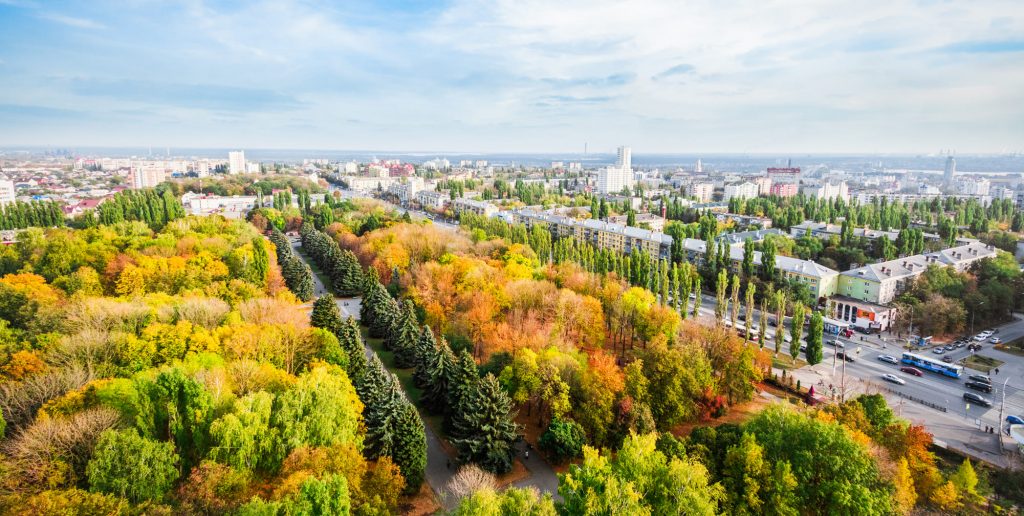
column 1002, row 404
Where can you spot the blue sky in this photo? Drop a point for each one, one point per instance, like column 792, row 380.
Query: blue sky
column 488, row 76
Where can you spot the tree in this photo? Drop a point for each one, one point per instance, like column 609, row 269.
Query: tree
column 326, row 314
column 721, row 307
column 966, row 481
column 352, row 343
column 818, row 449
column 749, row 303
column 563, row 439
column 403, row 336
column 244, row 439
column 752, row 483
column 260, row 261
column 322, row 409
column 699, row 293
column 814, row 338
column 796, row 328
column 485, row 422
column 128, row 465
column 734, row 298
column 748, row 258
column 780, row 320
column 425, row 348
column 441, row 366
column 461, row 382
column 768, row 251
column 347, row 278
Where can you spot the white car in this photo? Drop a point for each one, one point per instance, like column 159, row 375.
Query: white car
column 939, row 350
column 980, row 338
column 894, row 379
column 888, row 358
column 995, row 340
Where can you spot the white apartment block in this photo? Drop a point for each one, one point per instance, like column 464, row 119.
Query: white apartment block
column 432, row 199
column 829, row 190
column 764, row 185
column 406, row 190
column 973, row 186
column 236, row 162
column 147, row 175
column 252, row 167
column 7, row 192
column 701, row 191
column 611, row 180
column 478, row 207
column 744, row 190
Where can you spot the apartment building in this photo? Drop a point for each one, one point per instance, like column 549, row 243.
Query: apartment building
column 701, row 191
column 7, row 192
column 478, row 207
column 820, row 280
column 604, row 235
column 880, row 283
column 743, row 190
column 432, row 199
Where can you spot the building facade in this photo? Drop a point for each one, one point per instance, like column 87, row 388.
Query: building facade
column 463, row 204
column 236, row 162
column 7, row 192
column 742, row 190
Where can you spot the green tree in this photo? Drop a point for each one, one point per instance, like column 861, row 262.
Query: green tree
column 128, row 465
column 748, row 258
column 441, row 365
column 814, row 339
column 260, row 261
column 796, row 328
column 244, row 438
column 721, row 306
column 322, row 409
column 485, row 422
column 563, row 439
column 749, row 304
column 734, row 298
column 779, row 301
column 326, row 314
column 352, row 343
column 768, row 251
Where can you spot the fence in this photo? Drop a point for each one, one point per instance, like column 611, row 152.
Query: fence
column 929, row 404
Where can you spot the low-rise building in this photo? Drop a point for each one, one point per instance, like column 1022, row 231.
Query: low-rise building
column 867, row 316
column 232, row 207
column 432, row 199
column 880, row 283
column 744, row 220
column 484, row 208
column 648, row 220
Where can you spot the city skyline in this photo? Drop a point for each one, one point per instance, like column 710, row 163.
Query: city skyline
column 896, row 77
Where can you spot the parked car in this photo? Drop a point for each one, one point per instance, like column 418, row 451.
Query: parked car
column 1015, row 420
column 980, row 378
column 939, row 350
column 979, row 386
column 803, row 348
column 947, row 359
column 976, row 398
column 980, row 338
column 888, row 358
column 845, row 356
column 912, row 370
column 894, row 379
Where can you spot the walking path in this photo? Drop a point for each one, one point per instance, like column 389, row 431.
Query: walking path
column 441, row 466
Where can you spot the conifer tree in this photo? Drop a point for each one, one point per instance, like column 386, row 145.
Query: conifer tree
column 425, row 348
column 404, row 335
column 441, row 368
column 410, row 447
column 326, row 314
column 484, row 422
column 352, row 343
column 460, row 384
column 347, row 276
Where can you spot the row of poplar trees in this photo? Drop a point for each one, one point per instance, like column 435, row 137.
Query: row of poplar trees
column 478, row 415
column 297, row 275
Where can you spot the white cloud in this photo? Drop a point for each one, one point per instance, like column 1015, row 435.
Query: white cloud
column 72, row 21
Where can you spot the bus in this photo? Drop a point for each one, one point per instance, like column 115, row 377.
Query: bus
column 936, row 366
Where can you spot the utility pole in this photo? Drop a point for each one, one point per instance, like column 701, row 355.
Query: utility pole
column 1002, row 404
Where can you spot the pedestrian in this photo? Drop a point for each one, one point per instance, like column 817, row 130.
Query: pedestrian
column 527, row 454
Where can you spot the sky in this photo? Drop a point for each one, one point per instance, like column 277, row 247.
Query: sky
column 761, row 76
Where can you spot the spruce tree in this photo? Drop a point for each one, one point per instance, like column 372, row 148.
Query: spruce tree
column 486, row 426
column 405, row 335
column 380, row 397
column 352, row 343
column 326, row 314
column 347, row 275
column 461, row 382
column 440, row 368
column 410, row 446
column 425, row 348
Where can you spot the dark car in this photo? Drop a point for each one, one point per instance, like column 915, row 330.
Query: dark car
column 976, row 398
column 912, row 370
column 978, row 386
column 845, row 357
column 947, row 359
column 980, row 378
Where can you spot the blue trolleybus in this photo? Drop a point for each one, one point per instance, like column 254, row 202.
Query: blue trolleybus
column 929, row 364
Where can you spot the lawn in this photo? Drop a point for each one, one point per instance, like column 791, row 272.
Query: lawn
column 1015, row 347
column 786, row 362
column 981, row 363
